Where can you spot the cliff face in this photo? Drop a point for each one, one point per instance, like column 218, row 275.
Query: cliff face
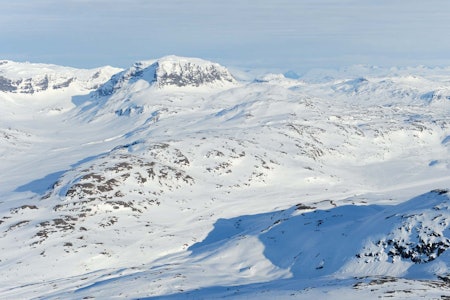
column 175, row 71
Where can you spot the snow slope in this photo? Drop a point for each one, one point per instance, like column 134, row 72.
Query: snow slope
column 173, row 179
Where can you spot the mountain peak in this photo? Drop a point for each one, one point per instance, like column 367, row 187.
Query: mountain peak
column 172, row 71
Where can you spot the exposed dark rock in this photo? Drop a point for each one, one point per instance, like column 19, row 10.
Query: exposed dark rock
column 63, row 84
column 6, row 85
column 190, row 74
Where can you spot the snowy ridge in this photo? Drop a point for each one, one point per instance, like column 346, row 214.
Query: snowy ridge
column 29, row 78
column 275, row 188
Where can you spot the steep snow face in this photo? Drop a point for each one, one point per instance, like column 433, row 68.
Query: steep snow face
column 172, row 71
column 172, row 178
column 29, row 78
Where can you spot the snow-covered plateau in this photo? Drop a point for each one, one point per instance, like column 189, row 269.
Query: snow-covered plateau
column 172, row 179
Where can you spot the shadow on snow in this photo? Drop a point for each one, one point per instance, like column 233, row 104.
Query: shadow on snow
column 42, row 185
column 313, row 244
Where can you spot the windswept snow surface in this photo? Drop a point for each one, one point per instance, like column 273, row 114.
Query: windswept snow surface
column 172, row 179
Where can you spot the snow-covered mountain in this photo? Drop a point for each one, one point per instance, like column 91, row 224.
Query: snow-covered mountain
column 30, row 78
column 171, row 71
column 173, row 179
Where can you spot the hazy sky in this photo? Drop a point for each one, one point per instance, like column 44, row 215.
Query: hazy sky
column 290, row 34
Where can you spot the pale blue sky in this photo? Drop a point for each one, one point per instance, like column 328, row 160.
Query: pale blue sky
column 289, row 34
